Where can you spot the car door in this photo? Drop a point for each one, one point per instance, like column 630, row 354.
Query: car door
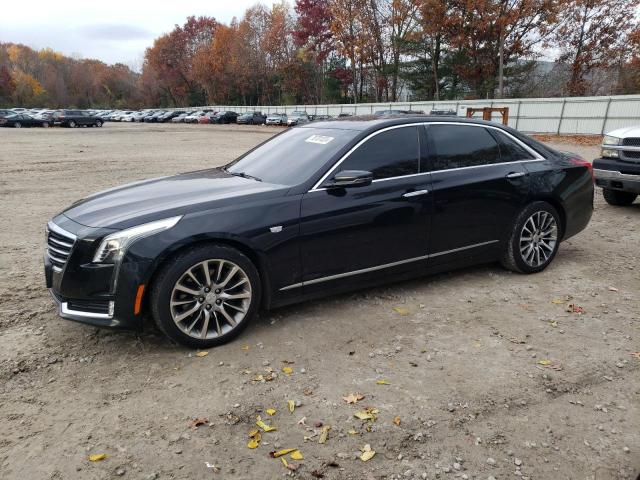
column 478, row 189
column 353, row 231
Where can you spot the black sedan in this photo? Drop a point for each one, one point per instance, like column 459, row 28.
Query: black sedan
column 316, row 210
column 20, row 120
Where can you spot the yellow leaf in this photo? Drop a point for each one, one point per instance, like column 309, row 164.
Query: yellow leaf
column 557, row 301
column 255, row 434
column 324, row 434
column 353, row 397
column 245, row 347
column 253, row 443
column 544, row 362
column 284, row 462
column 367, row 453
column 296, row 455
column 382, row 382
column 282, row 452
column 397, row 420
column 264, row 426
column 352, row 432
column 287, row 370
column 401, row 311
column 202, row 354
column 292, row 405
column 364, row 415
column 97, row 457
column 271, row 411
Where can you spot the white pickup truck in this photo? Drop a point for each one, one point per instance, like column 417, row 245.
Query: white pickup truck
column 618, row 169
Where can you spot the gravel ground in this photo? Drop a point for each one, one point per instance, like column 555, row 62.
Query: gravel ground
column 479, row 373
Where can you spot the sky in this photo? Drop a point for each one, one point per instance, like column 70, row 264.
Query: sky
column 111, row 31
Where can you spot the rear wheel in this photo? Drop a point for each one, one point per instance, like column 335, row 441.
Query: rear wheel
column 17, row 125
column 72, row 124
column 45, row 124
column 99, row 123
column 534, row 239
column 206, row 296
column 618, row 198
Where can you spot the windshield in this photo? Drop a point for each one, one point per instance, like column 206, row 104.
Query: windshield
column 293, row 156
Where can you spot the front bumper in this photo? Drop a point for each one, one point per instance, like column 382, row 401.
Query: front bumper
column 617, row 175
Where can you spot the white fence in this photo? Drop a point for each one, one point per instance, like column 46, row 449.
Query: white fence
column 566, row 116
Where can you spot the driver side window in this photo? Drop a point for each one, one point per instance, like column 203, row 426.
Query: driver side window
column 393, row 153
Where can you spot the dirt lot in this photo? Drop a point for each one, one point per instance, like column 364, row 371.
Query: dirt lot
column 489, row 375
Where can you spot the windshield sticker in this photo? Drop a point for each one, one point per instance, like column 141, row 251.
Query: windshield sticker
column 321, row 139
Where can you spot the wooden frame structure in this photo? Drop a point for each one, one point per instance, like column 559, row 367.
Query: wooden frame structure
column 488, row 111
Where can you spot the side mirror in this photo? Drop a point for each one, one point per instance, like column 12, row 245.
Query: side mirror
column 350, row 178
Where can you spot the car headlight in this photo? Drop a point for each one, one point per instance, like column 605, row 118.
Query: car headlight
column 609, row 153
column 609, row 140
column 113, row 246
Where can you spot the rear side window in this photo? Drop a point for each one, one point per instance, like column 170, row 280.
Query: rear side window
column 458, row 146
column 393, row 153
column 510, row 150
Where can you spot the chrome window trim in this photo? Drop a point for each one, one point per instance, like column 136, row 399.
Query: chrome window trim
column 383, row 266
column 536, row 155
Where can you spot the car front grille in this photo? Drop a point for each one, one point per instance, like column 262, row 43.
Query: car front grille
column 89, row 306
column 630, row 155
column 631, row 142
column 59, row 245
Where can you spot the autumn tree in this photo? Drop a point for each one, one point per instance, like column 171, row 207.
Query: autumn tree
column 590, row 35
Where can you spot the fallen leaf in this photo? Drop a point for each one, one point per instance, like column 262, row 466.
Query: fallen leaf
column 287, row 370
column 245, row 347
column 367, row 414
column 271, row 411
column 292, row 405
column 196, row 422
column 613, row 289
column 202, row 354
column 280, row 453
column 573, row 308
column 97, row 457
column 544, row 362
column 307, row 392
column 297, row 455
column 288, row 362
column 382, row 382
column 291, row 466
column 558, row 301
column 367, row 453
column 255, row 437
column 553, row 323
column 324, row 434
column 401, row 311
column 264, row 426
column 396, row 420
column 352, row 432
column 253, row 444
column 353, row 398
column 302, row 421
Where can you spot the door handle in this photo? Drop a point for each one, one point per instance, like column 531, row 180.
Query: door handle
column 516, row 175
column 415, row 193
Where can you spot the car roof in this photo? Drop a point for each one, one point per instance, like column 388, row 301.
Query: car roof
column 372, row 123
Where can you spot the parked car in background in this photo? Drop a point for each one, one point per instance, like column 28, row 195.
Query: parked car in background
column 387, row 113
column 207, row 118
column 298, row 117
column 225, row 117
column 193, row 117
column 251, row 118
column 180, row 118
column 153, row 118
column 4, row 113
column 276, row 119
column 317, row 118
column 75, row 118
column 318, row 210
column 617, row 171
column 443, row 113
column 19, row 120
column 168, row 116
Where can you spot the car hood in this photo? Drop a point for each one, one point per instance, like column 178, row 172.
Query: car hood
column 625, row 132
column 158, row 198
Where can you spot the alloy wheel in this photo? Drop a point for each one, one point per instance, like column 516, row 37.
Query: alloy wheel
column 538, row 238
column 17, row 125
column 210, row 299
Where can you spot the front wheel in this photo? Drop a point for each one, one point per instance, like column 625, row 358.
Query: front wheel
column 618, row 198
column 534, row 239
column 72, row 124
column 99, row 124
column 17, row 125
column 206, row 296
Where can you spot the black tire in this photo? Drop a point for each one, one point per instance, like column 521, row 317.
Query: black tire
column 512, row 258
column 618, row 198
column 98, row 123
column 72, row 124
column 17, row 125
column 170, row 274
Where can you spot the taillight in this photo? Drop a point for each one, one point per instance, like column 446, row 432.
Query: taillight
column 576, row 160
